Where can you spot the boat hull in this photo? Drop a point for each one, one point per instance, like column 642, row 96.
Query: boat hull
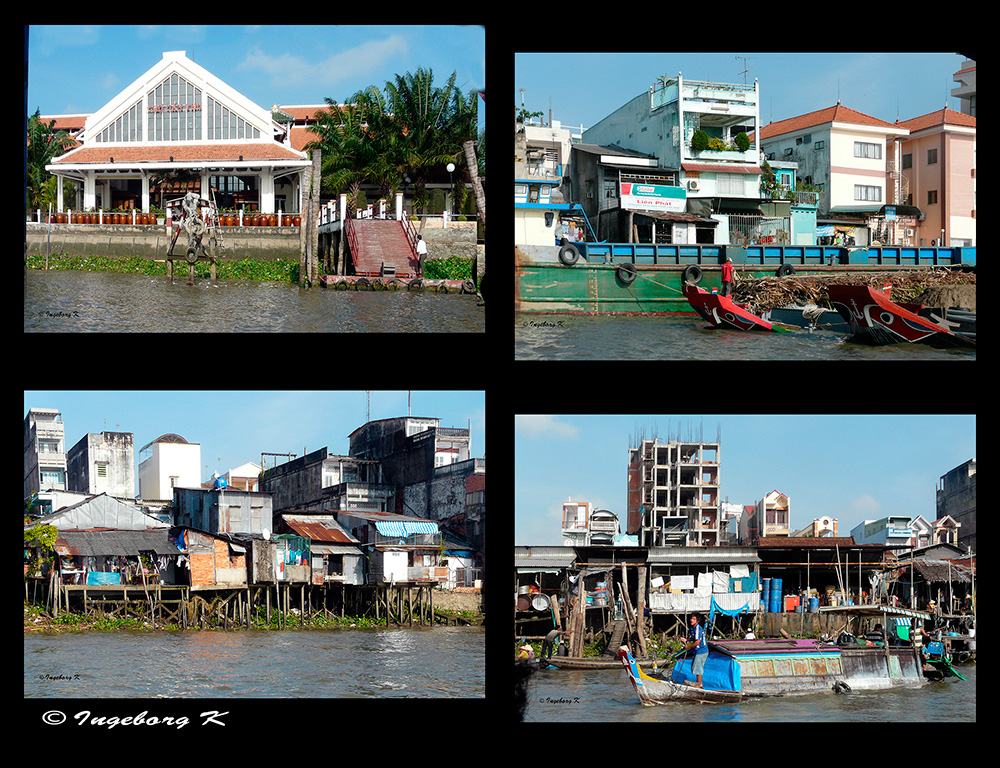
column 771, row 668
column 721, row 311
column 607, row 284
column 877, row 320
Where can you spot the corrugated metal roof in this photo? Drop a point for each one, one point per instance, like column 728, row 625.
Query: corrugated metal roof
column 102, row 511
column 319, row 528
column 710, row 555
column 100, row 543
column 942, row 570
column 333, row 549
column 528, row 558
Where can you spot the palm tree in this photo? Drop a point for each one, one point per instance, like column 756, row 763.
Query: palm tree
column 44, row 143
column 412, row 128
column 436, row 122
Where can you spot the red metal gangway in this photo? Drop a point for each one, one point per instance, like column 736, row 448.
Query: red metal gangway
column 378, row 242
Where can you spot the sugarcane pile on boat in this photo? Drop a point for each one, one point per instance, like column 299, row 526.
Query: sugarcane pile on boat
column 763, row 294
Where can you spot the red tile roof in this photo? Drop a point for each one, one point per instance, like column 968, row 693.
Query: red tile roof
column 941, row 117
column 835, row 114
column 180, row 153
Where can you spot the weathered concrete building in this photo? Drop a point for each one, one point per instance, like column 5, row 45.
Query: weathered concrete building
column 956, row 496
column 222, row 511
column 427, row 464
column 102, row 462
column 321, row 482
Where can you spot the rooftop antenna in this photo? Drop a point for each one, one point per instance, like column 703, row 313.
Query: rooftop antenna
column 746, row 69
column 409, row 402
column 368, row 410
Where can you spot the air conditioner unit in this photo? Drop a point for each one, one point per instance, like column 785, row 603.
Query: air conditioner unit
column 693, row 186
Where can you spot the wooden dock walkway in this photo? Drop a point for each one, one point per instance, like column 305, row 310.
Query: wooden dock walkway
column 410, row 603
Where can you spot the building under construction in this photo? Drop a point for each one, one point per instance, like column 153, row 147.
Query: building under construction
column 673, row 491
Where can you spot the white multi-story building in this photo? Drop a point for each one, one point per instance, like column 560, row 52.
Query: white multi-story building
column 842, row 153
column 168, row 462
column 663, row 122
column 895, row 531
column 44, row 451
column 582, row 527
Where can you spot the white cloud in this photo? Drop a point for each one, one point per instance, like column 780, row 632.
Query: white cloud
column 544, row 426
column 297, row 70
column 867, row 506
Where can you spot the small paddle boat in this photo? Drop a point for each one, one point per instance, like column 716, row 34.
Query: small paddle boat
column 722, row 311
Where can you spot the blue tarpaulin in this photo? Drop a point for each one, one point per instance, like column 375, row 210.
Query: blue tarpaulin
column 722, row 673
column 736, row 612
column 102, row 577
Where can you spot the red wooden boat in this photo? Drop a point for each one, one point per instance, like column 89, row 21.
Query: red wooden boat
column 722, row 311
column 876, row 319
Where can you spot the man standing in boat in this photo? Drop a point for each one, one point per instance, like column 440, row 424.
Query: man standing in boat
column 727, row 277
column 698, row 644
column 549, row 643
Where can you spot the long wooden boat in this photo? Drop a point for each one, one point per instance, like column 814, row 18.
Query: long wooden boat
column 576, row 662
column 876, row 319
column 743, row 669
column 721, row 311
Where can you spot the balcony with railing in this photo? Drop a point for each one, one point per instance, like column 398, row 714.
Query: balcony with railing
column 796, row 197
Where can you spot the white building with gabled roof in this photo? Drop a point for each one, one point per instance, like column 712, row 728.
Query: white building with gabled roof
column 178, row 116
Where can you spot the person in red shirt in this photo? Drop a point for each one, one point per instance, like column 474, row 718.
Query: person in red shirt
column 727, row 277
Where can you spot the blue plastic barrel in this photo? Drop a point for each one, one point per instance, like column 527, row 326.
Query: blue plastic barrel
column 774, row 604
column 813, row 605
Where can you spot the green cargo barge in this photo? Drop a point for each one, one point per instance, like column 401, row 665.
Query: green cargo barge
column 643, row 278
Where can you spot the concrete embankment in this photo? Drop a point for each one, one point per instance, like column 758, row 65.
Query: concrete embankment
column 151, row 241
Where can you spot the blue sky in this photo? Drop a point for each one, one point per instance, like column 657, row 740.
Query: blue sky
column 235, row 427
column 849, row 467
column 584, row 88
column 79, row 68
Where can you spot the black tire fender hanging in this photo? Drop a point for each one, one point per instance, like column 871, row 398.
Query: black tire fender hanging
column 692, row 274
column 627, row 273
column 569, row 255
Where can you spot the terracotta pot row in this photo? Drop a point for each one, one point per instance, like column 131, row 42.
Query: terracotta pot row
column 109, row 218
column 260, row 220
column 149, row 218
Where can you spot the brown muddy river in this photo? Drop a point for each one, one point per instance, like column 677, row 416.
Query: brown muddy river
column 71, row 301
column 437, row 662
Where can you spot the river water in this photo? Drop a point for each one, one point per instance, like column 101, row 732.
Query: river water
column 72, row 301
column 607, row 696
column 337, row 663
column 688, row 337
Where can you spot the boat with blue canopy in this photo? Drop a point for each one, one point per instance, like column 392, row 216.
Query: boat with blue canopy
column 739, row 669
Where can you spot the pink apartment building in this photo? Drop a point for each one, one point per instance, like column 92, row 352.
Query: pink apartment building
column 939, row 176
